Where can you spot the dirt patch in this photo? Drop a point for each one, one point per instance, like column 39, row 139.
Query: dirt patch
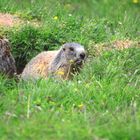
column 122, row 44
column 97, row 49
column 9, row 20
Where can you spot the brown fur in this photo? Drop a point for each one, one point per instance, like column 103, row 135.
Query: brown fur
column 38, row 66
column 62, row 63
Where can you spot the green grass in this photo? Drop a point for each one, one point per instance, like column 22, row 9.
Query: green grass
column 102, row 102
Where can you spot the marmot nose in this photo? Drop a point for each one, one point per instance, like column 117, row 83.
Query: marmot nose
column 82, row 55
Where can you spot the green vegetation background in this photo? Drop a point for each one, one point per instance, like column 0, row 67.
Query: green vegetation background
column 103, row 101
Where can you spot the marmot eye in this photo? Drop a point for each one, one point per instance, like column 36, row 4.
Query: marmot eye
column 64, row 49
column 71, row 49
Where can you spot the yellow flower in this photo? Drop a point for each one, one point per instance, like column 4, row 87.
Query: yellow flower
column 70, row 15
column 60, row 72
column 52, row 103
column 68, row 5
column 81, row 106
column 55, row 17
column 75, row 89
column 135, row 1
column 71, row 61
column 87, row 85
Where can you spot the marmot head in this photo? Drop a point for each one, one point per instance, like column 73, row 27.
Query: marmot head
column 68, row 61
column 74, row 53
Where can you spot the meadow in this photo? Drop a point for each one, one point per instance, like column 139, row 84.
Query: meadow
column 103, row 101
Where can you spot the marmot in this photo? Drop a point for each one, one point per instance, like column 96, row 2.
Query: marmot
column 7, row 62
column 62, row 63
